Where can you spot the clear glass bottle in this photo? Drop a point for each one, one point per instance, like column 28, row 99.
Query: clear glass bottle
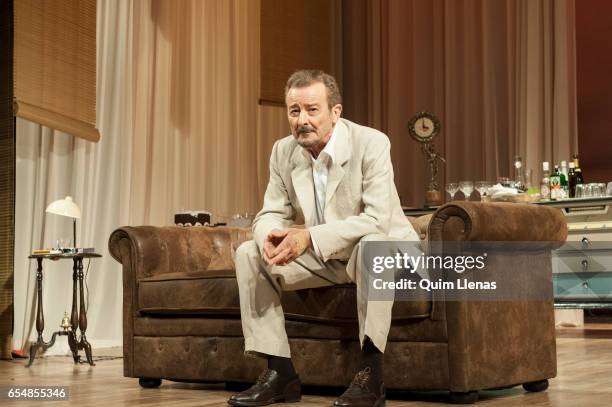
column 519, row 174
column 563, row 176
column 545, row 183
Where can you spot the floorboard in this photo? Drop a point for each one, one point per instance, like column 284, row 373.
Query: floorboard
column 584, row 379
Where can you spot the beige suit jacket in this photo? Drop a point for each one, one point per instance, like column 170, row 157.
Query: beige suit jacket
column 361, row 197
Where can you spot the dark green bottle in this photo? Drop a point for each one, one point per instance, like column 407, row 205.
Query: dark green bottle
column 578, row 170
column 571, row 180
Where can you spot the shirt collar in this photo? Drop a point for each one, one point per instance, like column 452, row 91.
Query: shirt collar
column 328, row 150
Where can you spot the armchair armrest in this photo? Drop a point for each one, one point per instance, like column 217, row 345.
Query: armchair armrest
column 498, row 221
column 148, row 250
column 513, row 339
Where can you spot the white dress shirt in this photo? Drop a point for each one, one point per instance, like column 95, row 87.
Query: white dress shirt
column 320, row 172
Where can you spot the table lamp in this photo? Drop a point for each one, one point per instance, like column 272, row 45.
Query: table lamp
column 66, row 207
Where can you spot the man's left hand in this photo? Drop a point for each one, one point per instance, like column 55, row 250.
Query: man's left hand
column 293, row 245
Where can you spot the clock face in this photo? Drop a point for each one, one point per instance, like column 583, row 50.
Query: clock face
column 423, row 127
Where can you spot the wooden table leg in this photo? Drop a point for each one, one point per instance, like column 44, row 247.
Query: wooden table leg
column 83, row 344
column 74, row 315
column 40, row 318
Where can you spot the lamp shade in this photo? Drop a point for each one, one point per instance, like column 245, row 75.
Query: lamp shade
column 64, row 207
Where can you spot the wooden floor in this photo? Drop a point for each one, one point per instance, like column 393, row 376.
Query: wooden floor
column 584, row 379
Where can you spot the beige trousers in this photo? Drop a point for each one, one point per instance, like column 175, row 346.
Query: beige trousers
column 261, row 286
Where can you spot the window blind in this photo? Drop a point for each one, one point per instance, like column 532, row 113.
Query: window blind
column 54, row 69
column 300, row 34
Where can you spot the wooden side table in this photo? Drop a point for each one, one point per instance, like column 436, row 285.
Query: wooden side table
column 78, row 318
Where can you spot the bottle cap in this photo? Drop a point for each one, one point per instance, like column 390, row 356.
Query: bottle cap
column 571, row 165
column 563, row 163
column 545, row 166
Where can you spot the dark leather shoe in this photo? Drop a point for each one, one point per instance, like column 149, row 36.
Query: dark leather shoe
column 269, row 388
column 359, row 393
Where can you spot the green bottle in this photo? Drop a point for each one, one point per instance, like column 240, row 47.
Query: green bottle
column 555, row 184
column 571, row 180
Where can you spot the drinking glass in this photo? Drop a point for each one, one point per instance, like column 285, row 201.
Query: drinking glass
column 609, row 189
column 64, row 244
column 579, row 191
column 482, row 187
column 602, row 189
column 452, row 188
column 467, row 187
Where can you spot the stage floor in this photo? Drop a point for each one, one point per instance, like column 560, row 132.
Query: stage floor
column 584, row 371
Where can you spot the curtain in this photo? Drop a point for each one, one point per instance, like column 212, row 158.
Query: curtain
column 195, row 117
column 500, row 76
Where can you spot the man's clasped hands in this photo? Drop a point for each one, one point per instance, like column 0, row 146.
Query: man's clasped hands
column 282, row 246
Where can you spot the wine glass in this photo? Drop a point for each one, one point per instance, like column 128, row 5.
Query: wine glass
column 452, row 188
column 482, row 187
column 466, row 187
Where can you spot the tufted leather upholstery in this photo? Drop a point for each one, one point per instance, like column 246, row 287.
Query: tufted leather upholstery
column 216, row 293
column 182, row 321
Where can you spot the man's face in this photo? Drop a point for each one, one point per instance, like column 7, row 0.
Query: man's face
column 310, row 118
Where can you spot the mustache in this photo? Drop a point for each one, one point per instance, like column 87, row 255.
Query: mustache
column 304, row 129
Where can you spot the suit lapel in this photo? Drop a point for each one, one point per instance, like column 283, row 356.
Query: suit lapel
column 301, row 177
column 342, row 149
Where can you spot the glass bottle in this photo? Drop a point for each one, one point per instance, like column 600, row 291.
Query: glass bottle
column 578, row 170
column 563, row 176
column 519, row 174
column 545, row 183
column 571, row 181
column 555, row 184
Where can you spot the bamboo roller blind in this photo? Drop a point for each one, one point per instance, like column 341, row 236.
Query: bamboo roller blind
column 299, row 34
column 55, row 64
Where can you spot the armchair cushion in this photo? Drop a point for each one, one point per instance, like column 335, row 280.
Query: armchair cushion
column 215, row 293
column 176, row 326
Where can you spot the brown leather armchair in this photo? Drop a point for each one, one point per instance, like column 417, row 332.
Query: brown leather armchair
column 181, row 315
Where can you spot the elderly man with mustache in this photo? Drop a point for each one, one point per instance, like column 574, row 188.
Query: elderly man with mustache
column 335, row 177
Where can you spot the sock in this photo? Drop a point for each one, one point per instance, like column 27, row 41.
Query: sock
column 283, row 366
column 373, row 358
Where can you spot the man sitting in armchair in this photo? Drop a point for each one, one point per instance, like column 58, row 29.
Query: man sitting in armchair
column 335, row 177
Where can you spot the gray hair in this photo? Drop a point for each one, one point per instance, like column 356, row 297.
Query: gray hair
column 306, row 77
